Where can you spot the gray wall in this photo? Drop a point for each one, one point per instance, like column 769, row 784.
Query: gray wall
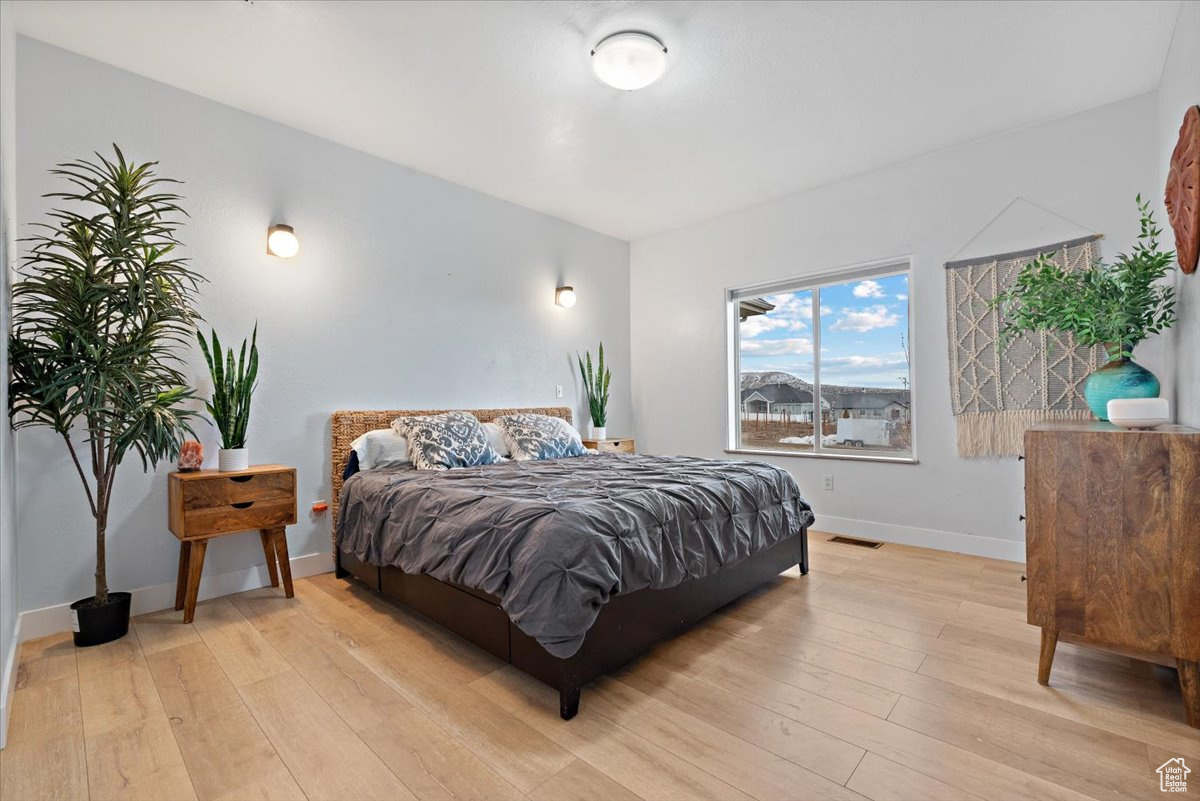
column 1179, row 89
column 1087, row 167
column 8, row 483
column 409, row 292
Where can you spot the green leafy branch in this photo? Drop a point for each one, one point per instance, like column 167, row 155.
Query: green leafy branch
column 1116, row 305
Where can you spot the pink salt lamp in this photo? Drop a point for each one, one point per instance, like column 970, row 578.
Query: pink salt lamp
column 191, row 456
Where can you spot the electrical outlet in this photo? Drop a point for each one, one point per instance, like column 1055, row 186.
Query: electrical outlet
column 829, row 483
column 558, row 391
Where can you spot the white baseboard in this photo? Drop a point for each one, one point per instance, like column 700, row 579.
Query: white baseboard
column 993, row 547
column 48, row 620
column 10, row 679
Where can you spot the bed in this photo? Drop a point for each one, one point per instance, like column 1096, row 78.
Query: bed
column 565, row 568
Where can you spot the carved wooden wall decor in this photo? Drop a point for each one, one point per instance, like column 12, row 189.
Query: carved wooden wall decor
column 1183, row 191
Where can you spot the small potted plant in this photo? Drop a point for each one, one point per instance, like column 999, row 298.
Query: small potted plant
column 1114, row 305
column 595, row 384
column 233, row 385
column 101, row 308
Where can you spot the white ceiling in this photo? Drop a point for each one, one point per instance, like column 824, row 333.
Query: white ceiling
column 760, row 99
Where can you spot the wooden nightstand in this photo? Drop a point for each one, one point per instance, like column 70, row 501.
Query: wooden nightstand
column 207, row 504
column 611, row 445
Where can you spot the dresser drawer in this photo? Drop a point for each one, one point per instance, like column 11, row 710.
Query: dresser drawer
column 239, row 516
column 224, row 491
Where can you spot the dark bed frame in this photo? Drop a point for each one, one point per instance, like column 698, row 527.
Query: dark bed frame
column 628, row 625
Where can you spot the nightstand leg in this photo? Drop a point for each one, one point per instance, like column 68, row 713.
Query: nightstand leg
column 1189, row 684
column 279, row 535
column 269, row 551
column 1046, row 657
column 185, row 550
column 195, row 568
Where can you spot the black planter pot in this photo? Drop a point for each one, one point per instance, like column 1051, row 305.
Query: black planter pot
column 96, row 625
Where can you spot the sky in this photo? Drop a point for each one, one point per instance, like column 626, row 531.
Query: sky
column 862, row 323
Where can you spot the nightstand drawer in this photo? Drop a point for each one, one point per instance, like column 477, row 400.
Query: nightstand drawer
column 237, row 489
column 625, row 445
column 239, row 516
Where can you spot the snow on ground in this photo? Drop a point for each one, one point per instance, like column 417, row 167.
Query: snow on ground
column 827, row 441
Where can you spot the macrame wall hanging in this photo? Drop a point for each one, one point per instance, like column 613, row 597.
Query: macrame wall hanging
column 996, row 394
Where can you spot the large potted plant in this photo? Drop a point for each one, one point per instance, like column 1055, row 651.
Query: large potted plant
column 1114, row 305
column 595, row 385
column 101, row 309
column 233, row 386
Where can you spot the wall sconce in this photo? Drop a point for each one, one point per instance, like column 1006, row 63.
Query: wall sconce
column 282, row 241
column 564, row 296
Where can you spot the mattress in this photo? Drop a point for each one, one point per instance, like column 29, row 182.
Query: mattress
column 555, row 539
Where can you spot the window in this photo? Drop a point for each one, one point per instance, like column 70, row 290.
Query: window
column 822, row 366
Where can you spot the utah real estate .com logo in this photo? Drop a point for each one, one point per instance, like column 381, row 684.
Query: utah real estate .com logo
column 1172, row 776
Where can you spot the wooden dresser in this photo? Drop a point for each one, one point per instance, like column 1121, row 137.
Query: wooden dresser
column 1113, row 544
column 207, row 504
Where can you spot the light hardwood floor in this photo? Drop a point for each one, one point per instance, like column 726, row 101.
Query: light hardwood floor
column 897, row 674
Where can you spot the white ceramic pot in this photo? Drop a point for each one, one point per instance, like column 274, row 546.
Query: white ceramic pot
column 230, row 460
column 597, row 432
column 1138, row 412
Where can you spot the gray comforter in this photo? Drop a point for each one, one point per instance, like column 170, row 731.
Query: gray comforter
column 553, row 540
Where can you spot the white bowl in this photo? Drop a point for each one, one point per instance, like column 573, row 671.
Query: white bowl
column 1138, row 412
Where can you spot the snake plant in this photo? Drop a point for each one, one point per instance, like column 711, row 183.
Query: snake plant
column 233, row 385
column 101, row 309
column 595, row 384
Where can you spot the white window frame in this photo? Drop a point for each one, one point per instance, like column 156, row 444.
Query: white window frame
column 882, row 268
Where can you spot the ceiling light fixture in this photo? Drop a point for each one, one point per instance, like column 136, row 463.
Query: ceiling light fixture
column 282, row 241
column 629, row 60
column 565, row 296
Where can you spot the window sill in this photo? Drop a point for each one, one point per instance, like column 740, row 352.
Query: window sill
column 851, row 457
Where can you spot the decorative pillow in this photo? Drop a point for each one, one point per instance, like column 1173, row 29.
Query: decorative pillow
column 443, row 441
column 495, row 436
column 536, row 436
column 383, row 447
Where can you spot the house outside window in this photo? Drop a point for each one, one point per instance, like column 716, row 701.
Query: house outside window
column 822, row 365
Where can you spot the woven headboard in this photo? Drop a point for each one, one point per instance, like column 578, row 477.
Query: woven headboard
column 349, row 426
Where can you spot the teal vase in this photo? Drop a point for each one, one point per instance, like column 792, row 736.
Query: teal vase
column 1120, row 378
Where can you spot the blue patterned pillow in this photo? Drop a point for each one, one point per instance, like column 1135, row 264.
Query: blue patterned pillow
column 536, row 436
column 444, row 441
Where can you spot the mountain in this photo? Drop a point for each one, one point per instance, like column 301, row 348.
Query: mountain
column 751, row 380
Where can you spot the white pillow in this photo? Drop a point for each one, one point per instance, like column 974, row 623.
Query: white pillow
column 383, row 447
column 495, row 435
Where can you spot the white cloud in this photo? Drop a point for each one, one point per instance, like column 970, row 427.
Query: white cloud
column 777, row 347
column 760, row 324
column 866, row 319
column 792, row 312
column 883, row 370
column 902, row 296
column 868, row 289
column 794, row 306
column 859, row 361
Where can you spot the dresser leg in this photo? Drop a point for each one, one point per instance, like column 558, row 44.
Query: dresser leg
column 185, row 550
column 1046, row 657
column 195, row 568
column 1189, row 684
column 279, row 536
column 269, row 551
